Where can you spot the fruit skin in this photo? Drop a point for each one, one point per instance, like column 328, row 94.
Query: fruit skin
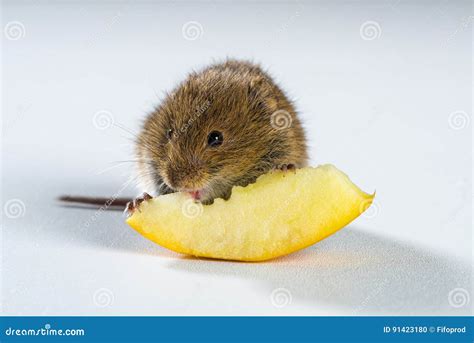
column 279, row 214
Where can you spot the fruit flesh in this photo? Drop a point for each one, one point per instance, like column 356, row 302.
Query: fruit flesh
column 281, row 213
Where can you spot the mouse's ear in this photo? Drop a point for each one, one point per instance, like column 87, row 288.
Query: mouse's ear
column 258, row 86
column 261, row 90
column 259, row 82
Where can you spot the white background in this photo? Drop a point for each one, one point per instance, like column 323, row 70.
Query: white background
column 380, row 109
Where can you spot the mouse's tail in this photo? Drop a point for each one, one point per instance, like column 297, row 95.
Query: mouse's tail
column 117, row 204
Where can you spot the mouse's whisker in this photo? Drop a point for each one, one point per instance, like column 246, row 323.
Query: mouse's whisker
column 105, row 170
column 145, row 180
column 136, row 138
column 121, row 163
column 126, row 129
column 146, row 174
column 149, row 148
column 145, row 161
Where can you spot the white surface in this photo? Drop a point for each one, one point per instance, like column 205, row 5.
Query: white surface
column 378, row 109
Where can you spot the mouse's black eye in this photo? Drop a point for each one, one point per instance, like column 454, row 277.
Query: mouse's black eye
column 215, row 138
column 169, row 133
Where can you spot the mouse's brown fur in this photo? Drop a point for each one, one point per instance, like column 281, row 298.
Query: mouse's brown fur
column 260, row 127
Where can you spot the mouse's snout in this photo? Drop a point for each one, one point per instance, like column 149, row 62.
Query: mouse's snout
column 187, row 176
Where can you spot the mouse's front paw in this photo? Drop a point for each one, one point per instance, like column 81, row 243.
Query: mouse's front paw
column 135, row 204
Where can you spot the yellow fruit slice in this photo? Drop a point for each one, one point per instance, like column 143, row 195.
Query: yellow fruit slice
column 281, row 213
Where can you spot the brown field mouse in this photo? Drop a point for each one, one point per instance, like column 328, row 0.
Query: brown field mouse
column 223, row 126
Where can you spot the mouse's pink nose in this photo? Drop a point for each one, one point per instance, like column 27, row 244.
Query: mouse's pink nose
column 196, row 195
